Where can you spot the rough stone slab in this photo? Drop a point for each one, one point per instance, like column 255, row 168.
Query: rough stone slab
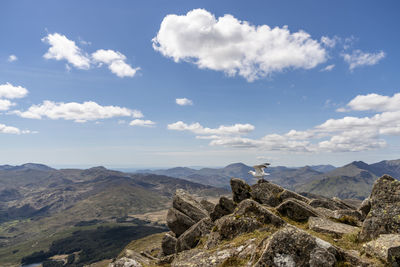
column 191, row 237
column 240, row 190
column 323, row 225
column 224, row 207
column 291, row 246
column 296, row 210
column 186, row 204
column 178, row 222
column 168, row 244
column 285, row 194
column 384, row 216
column 267, row 193
column 385, row 247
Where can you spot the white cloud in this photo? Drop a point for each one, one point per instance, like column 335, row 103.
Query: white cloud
column 10, row 91
column 63, row 48
column 115, row 61
column 142, row 123
column 14, row 130
column 359, row 58
column 329, row 42
column 5, row 104
column 235, row 47
column 12, row 58
column 78, row 112
column 347, row 134
column 184, row 102
column 221, row 130
column 374, row 102
column 328, row 68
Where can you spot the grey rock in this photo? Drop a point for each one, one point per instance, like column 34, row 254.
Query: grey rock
column 296, row 210
column 323, row 225
column 365, row 208
column 240, row 190
column 267, row 193
column 386, row 247
column 384, row 216
column 168, row 244
column 352, row 217
column 207, row 205
column 125, row 262
column 248, row 217
column 192, row 236
column 291, row 246
column 290, row 194
column 188, row 205
column 178, row 222
column 250, row 208
column 224, row 207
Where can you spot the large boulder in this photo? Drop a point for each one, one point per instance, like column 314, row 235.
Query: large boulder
column 285, row 194
column 248, row 217
column 267, row 193
column 168, row 244
column 291, row 246
column 224, row 207
column 178, row 222
column 384, row 216
column 386, row 248
column 250, row 208
column 192, row 236
column 296, row 210
column 327, row 226
column 352, row 217
column 188, row 205
column 207, row 205
column 365, row 208
column 240, row 190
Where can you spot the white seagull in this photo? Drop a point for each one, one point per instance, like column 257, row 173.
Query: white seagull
column 259, row 173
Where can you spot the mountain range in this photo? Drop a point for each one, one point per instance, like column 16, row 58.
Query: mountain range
column 39, row 204
column 353, row 180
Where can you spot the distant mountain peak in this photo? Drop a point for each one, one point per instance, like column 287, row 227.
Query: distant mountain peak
column 360, row 164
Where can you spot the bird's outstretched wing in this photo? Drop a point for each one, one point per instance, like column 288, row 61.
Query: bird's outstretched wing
column 260, row 168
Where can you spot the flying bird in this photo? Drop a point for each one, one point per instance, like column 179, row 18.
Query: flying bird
column 259, row 170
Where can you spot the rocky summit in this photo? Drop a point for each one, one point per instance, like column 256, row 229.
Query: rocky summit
column 267, row 225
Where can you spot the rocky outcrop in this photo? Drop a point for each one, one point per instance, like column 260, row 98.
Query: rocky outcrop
column 125, row 262
column 168, row 244
column 240, row 190
column 224, row 207
column 291, row 246
column 365, row 208
column 352, row 217
column 386, row 247
column 178, row 222
column 265, row 192
column 207, row 205
column 285, row 194
column 192, row 236
column 189, row 206
column 296, row 210
column 323, row 225
column 248, row 217
column 384, row 216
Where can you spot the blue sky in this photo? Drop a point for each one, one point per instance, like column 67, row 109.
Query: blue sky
column 86, row 83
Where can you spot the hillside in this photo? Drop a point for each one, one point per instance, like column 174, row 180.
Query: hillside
column 39, row 205
column 353, row 180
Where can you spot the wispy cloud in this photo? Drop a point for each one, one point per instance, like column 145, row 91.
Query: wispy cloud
column 359, row 58
column 78, row 112
column 183, row 102
column 142, row 123
column 12, row 58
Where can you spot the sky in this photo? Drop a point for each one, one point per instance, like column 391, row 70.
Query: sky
column 146, row 84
